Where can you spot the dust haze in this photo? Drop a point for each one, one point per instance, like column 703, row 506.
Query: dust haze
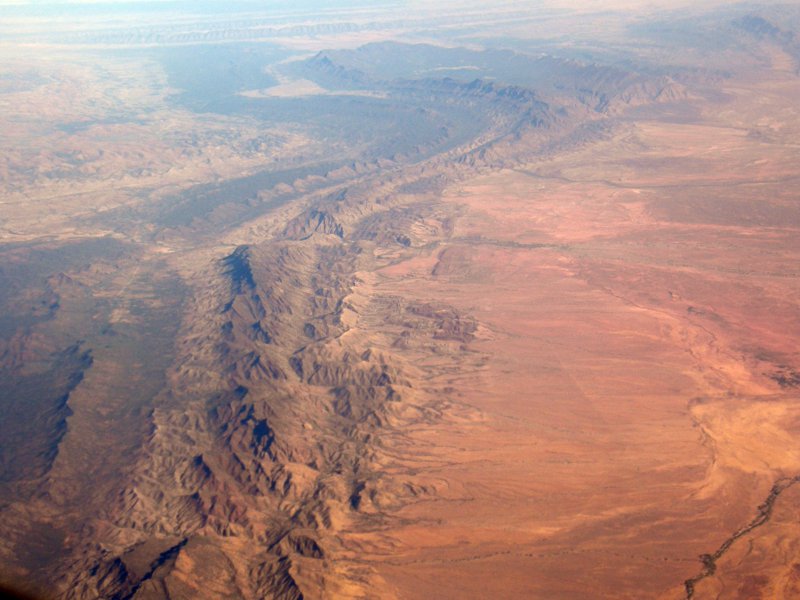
column 400, row 300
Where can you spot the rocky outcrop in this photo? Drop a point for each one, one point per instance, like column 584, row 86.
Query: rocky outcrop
column 311, row 222
column 270, row 439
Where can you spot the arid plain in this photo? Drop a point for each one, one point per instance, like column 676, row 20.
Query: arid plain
column 371, row 304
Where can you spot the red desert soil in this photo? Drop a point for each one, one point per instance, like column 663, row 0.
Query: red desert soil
column 626, row 380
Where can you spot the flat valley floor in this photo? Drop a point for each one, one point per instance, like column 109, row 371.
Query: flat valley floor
column 356, row 311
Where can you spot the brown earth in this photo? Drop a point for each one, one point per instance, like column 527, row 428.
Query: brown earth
column 554, row 359
column 632, row 369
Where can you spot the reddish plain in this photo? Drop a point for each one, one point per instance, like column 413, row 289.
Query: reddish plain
column 630, row 395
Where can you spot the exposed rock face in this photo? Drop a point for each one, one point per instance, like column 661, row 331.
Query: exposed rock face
column 278, row 426
column 271, row 436
column 324, row 373
column 314, row 221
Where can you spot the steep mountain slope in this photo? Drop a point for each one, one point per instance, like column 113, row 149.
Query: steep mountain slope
column 496, row 340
